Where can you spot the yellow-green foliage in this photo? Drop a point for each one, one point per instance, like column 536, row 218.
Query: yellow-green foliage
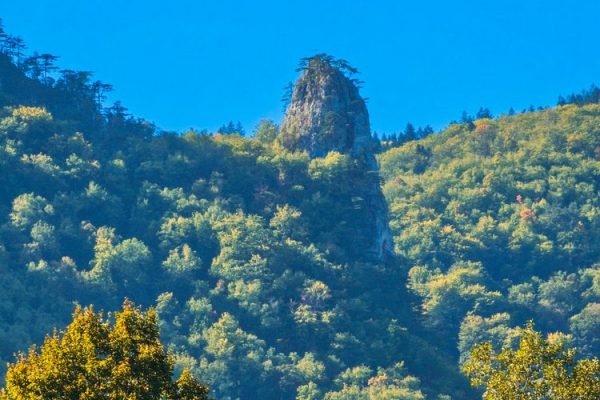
column 517, row 197
column 94, row 358
column 538, row 369
column 497, row 221
column 360, row 383
column 516, row 193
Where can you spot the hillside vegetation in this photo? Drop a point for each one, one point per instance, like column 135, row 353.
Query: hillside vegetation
column 243, row 248
column 499, row 223
column 248, row 253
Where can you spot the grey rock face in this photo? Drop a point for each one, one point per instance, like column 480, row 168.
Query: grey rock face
column 326, row 113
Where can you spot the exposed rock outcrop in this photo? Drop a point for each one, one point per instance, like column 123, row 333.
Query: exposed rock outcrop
column 326, row 113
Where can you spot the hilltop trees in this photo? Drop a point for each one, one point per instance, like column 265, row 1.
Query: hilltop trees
column 14, row 47
column 68, row 94
column 266, row 131
column 95, row 358
column 40, row 67
column 232, row 129
column 588, row 96
column 409, row 134
column 323, row 58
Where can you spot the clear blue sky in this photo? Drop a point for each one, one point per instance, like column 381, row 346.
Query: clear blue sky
column 195, row 63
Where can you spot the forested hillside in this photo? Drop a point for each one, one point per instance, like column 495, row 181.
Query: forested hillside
column 249, row 251
column 499, row 221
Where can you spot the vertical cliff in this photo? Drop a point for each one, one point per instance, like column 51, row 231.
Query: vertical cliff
column 326, row 113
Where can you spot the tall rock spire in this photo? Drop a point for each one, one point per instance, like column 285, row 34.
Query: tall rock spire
column 326, row 113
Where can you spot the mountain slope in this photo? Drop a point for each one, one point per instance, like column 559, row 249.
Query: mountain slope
column 499, row 221
column 248, row 249
column 244, row 248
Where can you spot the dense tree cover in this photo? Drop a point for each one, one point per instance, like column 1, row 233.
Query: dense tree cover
column 538, row 369
column 499, row 223
column 232, row 129
column 245, row 250
column 387, row 141
column 96, row 358
column 253, row 256
column 588, row 96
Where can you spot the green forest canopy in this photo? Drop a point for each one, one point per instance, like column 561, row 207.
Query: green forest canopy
column 244, row 249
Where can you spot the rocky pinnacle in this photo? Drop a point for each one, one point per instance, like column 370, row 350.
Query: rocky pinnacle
column 326, row 113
